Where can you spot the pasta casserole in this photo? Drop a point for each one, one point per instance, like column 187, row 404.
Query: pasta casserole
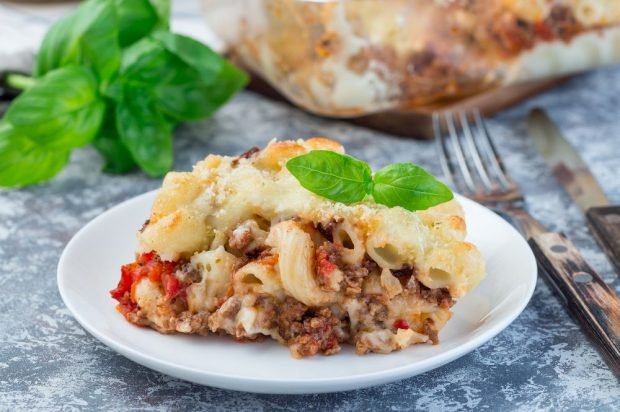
column 239, row 247
column 351, row 58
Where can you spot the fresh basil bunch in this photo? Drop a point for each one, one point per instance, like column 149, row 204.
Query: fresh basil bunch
column 111, row 74
column 344, row 179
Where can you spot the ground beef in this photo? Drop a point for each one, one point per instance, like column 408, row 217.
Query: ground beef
column 189, row 322
column 378, row 311
column 511, row 34
column 563, row 23
column 354, row 278
column 328, row 259
column 245, row 155
column 173, row 318
column 308, row 331
column 326, row 230
column 514, row 35
column 426, row 64
column 343, row 331
column 430, row 330
column 333, row 252
column 240, row 238
column 247, row 239
column 290, row 314
column 441, row 297
column 404, row 272
column 189, row 273
column 318, row 335
column 404, row 275
column 369, row 313
column 140, row 318
column 267, row 313
column 370, row 264
column 223, row 319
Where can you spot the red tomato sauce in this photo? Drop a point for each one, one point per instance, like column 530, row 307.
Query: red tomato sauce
column 158, row 271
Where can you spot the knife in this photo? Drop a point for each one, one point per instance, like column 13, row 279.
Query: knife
column 572, row 172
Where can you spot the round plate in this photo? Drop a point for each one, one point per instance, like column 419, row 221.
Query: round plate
column 90, row 266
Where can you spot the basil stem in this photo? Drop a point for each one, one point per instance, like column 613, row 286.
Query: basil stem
column 19, row 81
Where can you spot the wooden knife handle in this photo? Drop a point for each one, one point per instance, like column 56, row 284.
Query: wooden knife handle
column 604, row 224
column 596, row 306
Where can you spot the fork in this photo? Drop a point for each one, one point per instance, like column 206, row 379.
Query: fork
column 472, row 164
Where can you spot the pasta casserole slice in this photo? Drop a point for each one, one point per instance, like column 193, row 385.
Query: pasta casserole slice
column 239, row 247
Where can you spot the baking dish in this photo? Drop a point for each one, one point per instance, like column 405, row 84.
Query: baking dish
column 348, row 58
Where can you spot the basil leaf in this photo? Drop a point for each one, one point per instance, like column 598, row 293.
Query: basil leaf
column 144, row 131
column 202, row 80
column 62, row 110
column 409, row 186
column 23, row 162
column 108, row 143
column 184, row 89
column 59, row 46
column 211, row 66
column 145, row 62
column 162, row 8
column 136, row 19
column 99, row 44
column 88, row 36
column 192, row 52
column 114, row 48
column 334, row 176
column 184, row 96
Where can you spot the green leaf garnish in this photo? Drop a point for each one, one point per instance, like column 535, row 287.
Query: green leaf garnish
column 162, row 9
column 136, row 19
column 344, row 179
column 408, row 186
column 62, row 110
column 87, row 37
column 108, row 143
column 136, row 117
column 331, row 175
column 186, row 79
column 111, row 74
column 24, row 162
column 201, row 81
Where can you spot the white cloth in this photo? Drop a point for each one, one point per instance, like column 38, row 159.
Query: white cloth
column 23, row 26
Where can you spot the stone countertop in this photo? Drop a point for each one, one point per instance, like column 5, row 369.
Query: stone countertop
column 542, row 361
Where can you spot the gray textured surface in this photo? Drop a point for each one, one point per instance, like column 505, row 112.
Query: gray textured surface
column 542, row 361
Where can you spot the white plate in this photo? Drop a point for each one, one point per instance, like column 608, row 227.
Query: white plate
column 89, row 268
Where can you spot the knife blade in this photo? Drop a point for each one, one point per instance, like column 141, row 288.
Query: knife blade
column 575, row 176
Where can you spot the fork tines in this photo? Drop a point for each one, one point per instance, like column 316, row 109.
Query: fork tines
column 469, row 158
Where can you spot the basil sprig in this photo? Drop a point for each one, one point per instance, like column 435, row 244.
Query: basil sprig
column 111, row 74
column 344, row 179
column 331, row 175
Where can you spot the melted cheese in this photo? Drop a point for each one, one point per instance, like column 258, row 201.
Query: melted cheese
column 222, row 192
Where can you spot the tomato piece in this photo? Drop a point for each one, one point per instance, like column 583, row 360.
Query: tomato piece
column 401, row 324
column 172, row 286
column 543, row 30
column 324, row 265
column 129, row 273
column 127, row 307
column 147, row 257
column 157, row 271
